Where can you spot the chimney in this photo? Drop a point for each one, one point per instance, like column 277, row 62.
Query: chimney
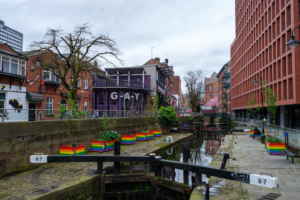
column 156, row 60
column 167, row 60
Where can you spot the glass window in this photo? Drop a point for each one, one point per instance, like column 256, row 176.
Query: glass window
column 49, row 106
column 77, row 104
column 84, row 105
column 209, row 88
column 215, row 88
column 78, row 83
column 63, row 103
column 215, row 94
column 85, row 83
column 5, row 64
column 2, row 102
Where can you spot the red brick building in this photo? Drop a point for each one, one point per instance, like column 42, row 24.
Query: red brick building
column 211, row 87
column 176, row 91
column 259, row 50
column 224, row 95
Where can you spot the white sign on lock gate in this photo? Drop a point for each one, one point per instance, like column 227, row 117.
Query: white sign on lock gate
column 264, row 181
column 38, row 158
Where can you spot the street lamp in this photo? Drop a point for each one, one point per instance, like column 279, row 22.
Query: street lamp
column 293, row 43
column 262, row 100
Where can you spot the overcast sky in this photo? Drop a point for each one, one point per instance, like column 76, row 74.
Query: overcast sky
column 192, row 34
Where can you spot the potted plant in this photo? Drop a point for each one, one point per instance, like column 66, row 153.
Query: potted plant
column 128, row 139
column 105, row 142
column 251, row 132
column 156, row 132
column 275, row 146
column 69, row 150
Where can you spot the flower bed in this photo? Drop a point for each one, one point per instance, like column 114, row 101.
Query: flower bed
column 102, row 146
column 69, row 150
column 157, row 133
column 275, row 148
column 128, row 139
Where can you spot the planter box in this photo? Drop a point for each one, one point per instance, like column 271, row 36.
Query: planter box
column 102, row 146
column 149, row 136
column 144, row 136
column 157, row 133
column 251, row 133
column 275, row 148
column 128, row 139
column 64, row 150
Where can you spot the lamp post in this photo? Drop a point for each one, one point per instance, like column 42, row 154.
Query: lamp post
column 293, row 43
column 262, row 100
column 265, row 137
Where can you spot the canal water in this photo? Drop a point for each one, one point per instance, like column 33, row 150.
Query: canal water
column 206, row 145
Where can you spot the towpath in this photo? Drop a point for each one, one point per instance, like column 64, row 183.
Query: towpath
column 62, row 180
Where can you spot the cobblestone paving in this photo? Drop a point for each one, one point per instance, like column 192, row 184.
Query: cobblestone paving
column 59, row 176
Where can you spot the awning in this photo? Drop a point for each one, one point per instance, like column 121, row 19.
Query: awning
column 34, row 96
column 66, row 95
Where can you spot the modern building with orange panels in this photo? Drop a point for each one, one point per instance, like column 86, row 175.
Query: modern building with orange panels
column 263, row 27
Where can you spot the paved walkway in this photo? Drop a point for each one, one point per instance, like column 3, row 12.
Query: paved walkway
column 51, row 180
column 252, row 157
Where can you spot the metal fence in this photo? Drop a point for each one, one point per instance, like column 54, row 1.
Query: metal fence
column 277, row 131
column 13, row 115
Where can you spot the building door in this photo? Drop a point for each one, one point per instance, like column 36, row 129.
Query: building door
column 32, row 113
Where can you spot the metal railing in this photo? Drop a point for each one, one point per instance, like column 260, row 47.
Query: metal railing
column 121, row 83
column 277, row 131
column 20, row 114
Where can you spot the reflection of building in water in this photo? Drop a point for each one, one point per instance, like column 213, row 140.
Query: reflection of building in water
column 212, row 146
column 207, row 128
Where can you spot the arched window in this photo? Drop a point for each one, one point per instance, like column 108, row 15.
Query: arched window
column 63, row 102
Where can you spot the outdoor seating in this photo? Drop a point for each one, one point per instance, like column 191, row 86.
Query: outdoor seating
column 288, row 153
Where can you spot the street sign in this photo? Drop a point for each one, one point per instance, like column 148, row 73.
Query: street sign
column 264, row 181
column 38, row 158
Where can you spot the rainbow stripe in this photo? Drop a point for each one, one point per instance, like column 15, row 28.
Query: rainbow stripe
column 149, row 136
column 157, row 133
column 69, row 151
column 275, row 148
column 251, row 133
column 128, row 139
column 140, row 136
column 102, row 146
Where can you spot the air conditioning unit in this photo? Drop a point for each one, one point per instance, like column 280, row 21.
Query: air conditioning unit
column 37, row 64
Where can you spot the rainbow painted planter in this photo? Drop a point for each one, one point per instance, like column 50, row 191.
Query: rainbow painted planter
column 251, row 133
column 157, row 133
column 102, row 146
column 128, row 139
column 275, row 148
column 149, row 136
column 69, row 151
column 140, row 136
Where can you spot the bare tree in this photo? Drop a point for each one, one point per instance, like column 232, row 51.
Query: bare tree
column 74, row 55
column 195, row 87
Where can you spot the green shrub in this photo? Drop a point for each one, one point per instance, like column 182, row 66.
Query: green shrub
column 143, row 131
column 190, row 118
column 110, row 135
column 252, row 129
column 271, row 139
column 167, row 116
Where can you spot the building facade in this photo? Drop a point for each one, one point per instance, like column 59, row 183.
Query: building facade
column 211, row 87
column 259, row 50
column 224, row 95
column 13, row 102
column 11, row 37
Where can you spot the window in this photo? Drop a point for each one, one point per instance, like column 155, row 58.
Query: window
column 84, row 105
column 50, row 76
column 215, row 88
column 49, row 106
column 215, row 94
column 77, row 104
column 12, row 65
column 210, row 95
column 63, row 103
column 2, row 102
column 85, row 83
column 78, row 83
column 209, row 88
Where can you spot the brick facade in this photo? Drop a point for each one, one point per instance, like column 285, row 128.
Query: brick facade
column 211, row 87
column 224, row 95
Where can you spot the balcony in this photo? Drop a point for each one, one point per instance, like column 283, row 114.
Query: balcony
column 121, row 84
column 50, row 78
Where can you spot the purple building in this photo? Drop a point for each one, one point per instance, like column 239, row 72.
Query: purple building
column 121, row 90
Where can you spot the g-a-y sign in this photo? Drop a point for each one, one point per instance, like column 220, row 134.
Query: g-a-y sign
column 114, row 96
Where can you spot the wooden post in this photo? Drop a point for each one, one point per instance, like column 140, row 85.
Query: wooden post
column 173, row 174
column 186, row 155
column 99, row 167
column 117, row 151
column 157, row 166
column 152, row 162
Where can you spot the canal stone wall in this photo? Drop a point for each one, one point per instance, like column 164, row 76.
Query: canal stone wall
column 19, row 140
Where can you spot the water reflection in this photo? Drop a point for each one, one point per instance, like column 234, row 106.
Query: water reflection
column 203, row 146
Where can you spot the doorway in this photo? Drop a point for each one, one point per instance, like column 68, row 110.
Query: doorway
column 32, row 113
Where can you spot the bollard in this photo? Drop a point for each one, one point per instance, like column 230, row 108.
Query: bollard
column 74, row 146
column 186, row 156
column 117, row 152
